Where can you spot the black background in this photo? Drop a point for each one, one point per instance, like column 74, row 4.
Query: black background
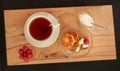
column 108, row 65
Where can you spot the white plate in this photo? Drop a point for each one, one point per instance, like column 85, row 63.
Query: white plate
column 55, row 30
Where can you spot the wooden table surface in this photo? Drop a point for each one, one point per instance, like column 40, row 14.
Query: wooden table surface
column 103, row 47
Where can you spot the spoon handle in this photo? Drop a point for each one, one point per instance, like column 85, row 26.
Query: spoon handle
column 57, row 57
column 104, row 28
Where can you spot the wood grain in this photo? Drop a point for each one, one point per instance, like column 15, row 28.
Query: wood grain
column 103, row 47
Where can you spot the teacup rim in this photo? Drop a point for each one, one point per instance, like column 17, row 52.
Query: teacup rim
column 47, row 16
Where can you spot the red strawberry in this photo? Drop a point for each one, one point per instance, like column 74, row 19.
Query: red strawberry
column 86, row 41
column 29, row 51
column 21, row 56
column 20, row 51
column 30, row 55
column 25, row 48
column 25, row 54
column 26, row 59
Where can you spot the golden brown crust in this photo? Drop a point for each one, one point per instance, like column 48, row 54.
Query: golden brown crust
column 68, row 39
column 74, row 34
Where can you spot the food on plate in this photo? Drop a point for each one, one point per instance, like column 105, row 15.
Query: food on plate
column 85, row 43
column 74, row 34
column 82, row 43
column 68, row 39
column 74, row 42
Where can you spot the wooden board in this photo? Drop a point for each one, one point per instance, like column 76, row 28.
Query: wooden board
column 103, row 47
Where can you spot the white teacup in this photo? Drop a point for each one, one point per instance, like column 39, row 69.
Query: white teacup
column 53, row 36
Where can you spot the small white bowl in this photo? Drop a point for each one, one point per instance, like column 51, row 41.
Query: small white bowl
column 55, row 30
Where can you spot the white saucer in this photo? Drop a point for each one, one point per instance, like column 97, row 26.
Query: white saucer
column 51, row 39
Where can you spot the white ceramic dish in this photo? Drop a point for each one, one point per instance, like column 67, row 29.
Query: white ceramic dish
column 55, row 30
